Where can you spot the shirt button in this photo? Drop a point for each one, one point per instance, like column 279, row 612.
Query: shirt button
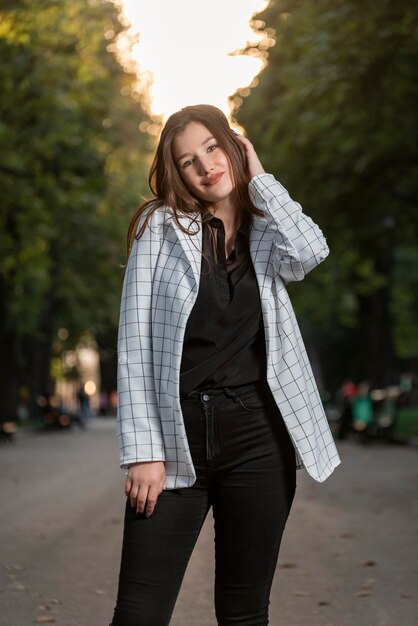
column 205, row 397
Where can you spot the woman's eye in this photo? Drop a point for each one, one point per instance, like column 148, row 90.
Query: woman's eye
column 212, row 147
column 187, row 163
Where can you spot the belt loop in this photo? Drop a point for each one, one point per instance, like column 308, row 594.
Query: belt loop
column 230, row 393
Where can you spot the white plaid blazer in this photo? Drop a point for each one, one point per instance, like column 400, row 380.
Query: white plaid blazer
column 160, row 287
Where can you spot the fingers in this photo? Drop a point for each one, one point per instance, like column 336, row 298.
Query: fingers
column 247, row 143
column 143, row 485
column 151, row 501
column 128, row 486
column 138, row 496
column 254, row 165
column 141, row 498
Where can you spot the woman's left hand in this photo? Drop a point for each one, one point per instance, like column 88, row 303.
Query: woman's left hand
column 253, row 162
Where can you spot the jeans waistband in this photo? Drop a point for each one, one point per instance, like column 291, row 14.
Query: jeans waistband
column 214, row 392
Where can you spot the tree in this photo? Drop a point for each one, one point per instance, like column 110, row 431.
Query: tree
column 334, row 117
column 72, row 168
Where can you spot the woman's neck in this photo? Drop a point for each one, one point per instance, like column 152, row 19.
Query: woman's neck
column 230, row 215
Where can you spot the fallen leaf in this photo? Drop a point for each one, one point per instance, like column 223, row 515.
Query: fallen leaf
column 54, row 601
column 14, row 567
column 369, row 563
column 300, row 594
column 101, row 592
column 404, row 595
column 324, row 603
column 44, row 619
column 346, row 536
column 363, row 593
column 287, row 565
column 17, row 586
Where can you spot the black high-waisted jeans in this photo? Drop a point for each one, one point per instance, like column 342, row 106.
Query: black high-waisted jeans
column 245, row 465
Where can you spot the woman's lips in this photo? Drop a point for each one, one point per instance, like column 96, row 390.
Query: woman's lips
column 212, row 180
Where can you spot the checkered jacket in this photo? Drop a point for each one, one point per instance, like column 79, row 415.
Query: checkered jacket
column 160, row 287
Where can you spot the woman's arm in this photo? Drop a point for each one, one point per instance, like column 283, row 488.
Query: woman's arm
column 299, row 242
column 139, row 430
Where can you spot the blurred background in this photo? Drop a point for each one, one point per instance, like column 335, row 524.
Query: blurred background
column 326, row 91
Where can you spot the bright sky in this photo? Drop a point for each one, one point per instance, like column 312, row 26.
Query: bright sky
column 186, row 46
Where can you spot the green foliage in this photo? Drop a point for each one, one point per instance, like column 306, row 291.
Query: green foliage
column 334, row 117
column 72, row 165
column 404, row 301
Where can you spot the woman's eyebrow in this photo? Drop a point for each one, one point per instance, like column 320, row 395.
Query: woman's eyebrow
column 202, row 144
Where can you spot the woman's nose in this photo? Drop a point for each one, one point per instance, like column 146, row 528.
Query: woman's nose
column 204, row 166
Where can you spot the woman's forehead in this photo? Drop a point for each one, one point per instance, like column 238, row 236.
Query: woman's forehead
column 193, row 136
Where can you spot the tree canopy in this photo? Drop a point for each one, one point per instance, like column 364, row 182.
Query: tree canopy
column 72, row 168
column 333, row 116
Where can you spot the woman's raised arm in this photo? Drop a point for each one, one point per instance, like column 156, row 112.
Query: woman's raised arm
column 300, row 244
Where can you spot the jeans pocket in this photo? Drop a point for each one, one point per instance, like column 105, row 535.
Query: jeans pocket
column 252, row 400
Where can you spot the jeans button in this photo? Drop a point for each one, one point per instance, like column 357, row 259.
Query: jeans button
column 205, row 397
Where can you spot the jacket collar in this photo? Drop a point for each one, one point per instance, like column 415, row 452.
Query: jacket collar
column 192, row 245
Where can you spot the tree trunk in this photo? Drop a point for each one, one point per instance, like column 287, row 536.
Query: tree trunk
column 375, row 331
column 9, row 380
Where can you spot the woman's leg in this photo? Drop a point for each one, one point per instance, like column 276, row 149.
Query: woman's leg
column 155, row 551
column 255, row 482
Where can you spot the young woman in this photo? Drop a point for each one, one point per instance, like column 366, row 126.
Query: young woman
column 217, row 403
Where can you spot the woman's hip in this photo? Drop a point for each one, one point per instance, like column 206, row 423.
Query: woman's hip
column 235, row 424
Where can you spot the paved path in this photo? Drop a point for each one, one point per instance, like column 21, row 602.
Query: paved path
column 349, row 555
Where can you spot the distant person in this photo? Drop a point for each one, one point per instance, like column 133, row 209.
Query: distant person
column 84, row 403
column 347, row 394
column 363, row 415
column 113, row 400
column 217, row 401
column 104, row 402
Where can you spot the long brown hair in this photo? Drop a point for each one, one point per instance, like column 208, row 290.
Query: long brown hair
column 164, row 178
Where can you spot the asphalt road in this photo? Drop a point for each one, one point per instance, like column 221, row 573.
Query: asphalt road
column 349, row 554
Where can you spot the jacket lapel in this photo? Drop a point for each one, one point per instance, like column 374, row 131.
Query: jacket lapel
column 260, row 254
column 191, row 245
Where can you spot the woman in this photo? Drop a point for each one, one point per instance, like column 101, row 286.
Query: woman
column 217, row 401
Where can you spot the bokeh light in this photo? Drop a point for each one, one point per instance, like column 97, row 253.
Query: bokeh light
column 63, row 334
column 90, row 387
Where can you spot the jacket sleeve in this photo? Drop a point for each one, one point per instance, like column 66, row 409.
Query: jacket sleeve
column 138, row 420
column 299, row 243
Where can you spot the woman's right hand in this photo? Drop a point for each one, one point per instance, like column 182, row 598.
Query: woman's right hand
column 253, row 162
column 144, row 483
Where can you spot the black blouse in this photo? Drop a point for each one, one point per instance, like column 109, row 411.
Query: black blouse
column 224, row 342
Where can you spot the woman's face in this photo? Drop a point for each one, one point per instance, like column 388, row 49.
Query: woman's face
column 202, row 164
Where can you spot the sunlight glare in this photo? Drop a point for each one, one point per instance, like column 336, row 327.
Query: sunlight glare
column 186, row 46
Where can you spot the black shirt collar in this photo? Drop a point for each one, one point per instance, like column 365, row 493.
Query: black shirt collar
column 215, row 222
